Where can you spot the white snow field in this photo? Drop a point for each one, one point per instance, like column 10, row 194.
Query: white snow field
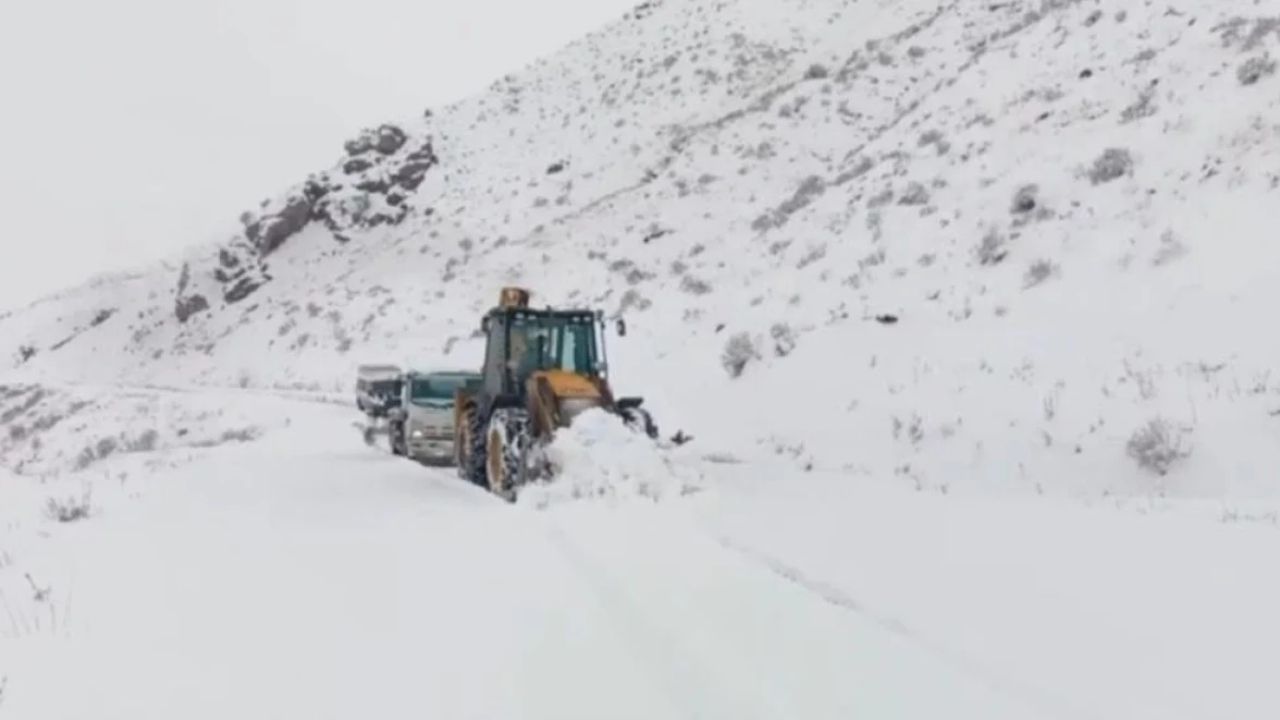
column 309, row 575
column 967, row 306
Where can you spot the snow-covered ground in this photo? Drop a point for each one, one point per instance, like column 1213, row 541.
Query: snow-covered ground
column 309, row 575
column 965, row 306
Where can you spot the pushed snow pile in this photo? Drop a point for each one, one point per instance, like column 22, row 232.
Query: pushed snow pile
column 600, row 457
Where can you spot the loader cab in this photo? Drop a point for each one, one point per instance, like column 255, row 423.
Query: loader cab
column 522, row 342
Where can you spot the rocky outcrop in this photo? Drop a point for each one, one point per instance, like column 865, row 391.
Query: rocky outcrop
column 270, row 232
column 187, row 305
column 415, row 166
column 385, row 139
column 371, row 187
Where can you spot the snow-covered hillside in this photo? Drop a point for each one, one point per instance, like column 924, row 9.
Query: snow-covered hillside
column 1063, row 204
column 900, row 267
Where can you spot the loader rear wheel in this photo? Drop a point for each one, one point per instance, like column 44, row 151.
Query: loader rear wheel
column 507, row 451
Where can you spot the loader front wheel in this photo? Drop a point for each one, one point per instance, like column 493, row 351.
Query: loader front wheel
column 507, row 450
column 473, row 462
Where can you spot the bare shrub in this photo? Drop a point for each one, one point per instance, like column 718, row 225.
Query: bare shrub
column 784, row 339
column 1143, row 107
column 739, row 352
column 1170, row 250
column 1113, row 164
column 103, row 449
column 1144, row 380
column 1254, row 69
column 811, row 257
column 1158, row 446
column 70, row 509
column 808, row 192
column 915, row 194
column 993, row 249
column 1026, row 199
column 146, row 442
column 243, row 435
column 694, row 286
column 633, row 299
column 913, row 429
column 1039, row 271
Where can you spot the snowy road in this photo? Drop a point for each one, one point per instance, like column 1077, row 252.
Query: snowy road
column 309, row 576
column 314, row 577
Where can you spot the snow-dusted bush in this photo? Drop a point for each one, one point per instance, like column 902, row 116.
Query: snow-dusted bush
column 1143, row 107
column 1158, row 446
column 1170, row 249
column 146, row 442
column 1026, row 199
column 739, row 351
column 243, row 435
column 992, row 249
column 1112, row 164
column 694, row 286
column 1039, row 271
column 816, row 72
column 103, row 449
column 915, row 194
column 1254, row 69
column 70, row 509
column 633, row 299
column 784, row 339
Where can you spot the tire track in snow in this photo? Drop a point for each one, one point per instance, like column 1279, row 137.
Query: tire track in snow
column 832, row 595
column 688, row 685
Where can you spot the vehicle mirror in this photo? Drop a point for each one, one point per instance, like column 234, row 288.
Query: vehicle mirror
column 622, row 327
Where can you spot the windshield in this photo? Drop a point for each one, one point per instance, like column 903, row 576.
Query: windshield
column 385, row 387
column 553, row 343
column 437, row 389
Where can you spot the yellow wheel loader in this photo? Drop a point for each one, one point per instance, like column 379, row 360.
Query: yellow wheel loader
column 542, row 368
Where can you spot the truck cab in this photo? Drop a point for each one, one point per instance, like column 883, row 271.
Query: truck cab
column 378, row 389
column 421, row 425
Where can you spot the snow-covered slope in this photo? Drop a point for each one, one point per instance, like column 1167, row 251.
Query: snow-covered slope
column 877, row 257
column 1064, row 205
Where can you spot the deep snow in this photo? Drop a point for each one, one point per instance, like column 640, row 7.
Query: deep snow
column 966, row 307
column 309, row 575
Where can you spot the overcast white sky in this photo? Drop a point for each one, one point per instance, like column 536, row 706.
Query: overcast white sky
column 133, row 128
